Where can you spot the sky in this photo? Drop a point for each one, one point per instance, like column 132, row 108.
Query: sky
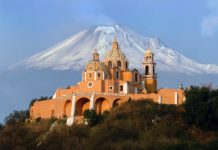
column 30, row 26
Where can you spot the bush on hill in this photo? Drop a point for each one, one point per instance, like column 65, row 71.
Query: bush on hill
column 17, row 117
column 201, row 107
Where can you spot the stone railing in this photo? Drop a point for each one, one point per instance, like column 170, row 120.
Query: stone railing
column 88, row 94
column 98, row 93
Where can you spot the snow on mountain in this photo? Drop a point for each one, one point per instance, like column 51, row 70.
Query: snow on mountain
column 73, row 53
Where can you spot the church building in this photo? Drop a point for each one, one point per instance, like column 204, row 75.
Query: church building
column 106, row 84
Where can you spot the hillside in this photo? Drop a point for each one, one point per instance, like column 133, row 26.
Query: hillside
column 134, row 125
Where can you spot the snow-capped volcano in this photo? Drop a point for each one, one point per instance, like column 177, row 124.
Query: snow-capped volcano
column 73, row 53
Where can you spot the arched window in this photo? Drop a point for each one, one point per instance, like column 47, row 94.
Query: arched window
column 99, row 74
column 119, row 64
column 146, row 70
column 153, row 70
column 110, row 64
column 117, row 75
column 136, row 77
column 90, row 75
column 126, row 65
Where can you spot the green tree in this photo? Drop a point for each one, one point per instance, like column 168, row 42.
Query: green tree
column 17, row 117
column 201, row 107
column 91, row 117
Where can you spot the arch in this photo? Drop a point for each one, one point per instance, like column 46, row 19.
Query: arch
column 146, row 70
column 67, row 108
column 101, row 105
column 81, row 105
column 119, row 64
column 116, row 102
column 110, row 64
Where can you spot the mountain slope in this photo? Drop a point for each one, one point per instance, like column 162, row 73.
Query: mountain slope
column 73, row 53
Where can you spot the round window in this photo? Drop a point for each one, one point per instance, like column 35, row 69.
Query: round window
column 90, row 84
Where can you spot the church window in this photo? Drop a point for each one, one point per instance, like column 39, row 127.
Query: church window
column 117, row 75
column 153, row 70
column 90, row 75
column 110, row 87
column 126, row 65
column 99, row 74
column 119, row 64
column 121, row 88
column 110, row 64
column 90, row 84
column 146, row 70
column 136, row 77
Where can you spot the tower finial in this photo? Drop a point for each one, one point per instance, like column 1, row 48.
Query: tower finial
column 115, row 37
column 95, row 55
column 115, row 43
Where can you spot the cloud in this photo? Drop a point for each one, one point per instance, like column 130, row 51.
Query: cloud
column 209, row 25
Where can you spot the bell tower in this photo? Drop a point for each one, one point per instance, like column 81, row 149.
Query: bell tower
column 149, row 76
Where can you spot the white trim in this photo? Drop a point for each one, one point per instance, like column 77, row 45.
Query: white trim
column 70, row 120
column 176, row 98
column 54, row 96
column 95, row 75
column 103, row 75
column 85, row 76
column 160, row 99
column 91, row 106
column 125, row 88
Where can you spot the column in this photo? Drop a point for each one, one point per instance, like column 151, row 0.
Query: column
column 103, row 75
column 95, row 75
column 70, row 120
column 92, row 101
column 160, row 99
column 125, row 88
column 176, row 98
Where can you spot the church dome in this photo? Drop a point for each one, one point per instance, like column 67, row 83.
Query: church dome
column 96, row 66
column 115, row 53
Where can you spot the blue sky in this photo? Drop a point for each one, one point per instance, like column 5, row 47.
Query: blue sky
column 30, row 26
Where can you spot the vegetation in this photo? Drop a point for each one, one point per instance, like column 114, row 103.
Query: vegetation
column 42, row 98
column 91, row 117
column 17, row 117
column 201, row 107
column 135, row 125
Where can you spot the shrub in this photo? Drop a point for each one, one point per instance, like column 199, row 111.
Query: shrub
column 201, row 107
column 17, row 117
column 91, row 117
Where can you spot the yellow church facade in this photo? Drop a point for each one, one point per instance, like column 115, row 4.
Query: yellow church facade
column 107, row 84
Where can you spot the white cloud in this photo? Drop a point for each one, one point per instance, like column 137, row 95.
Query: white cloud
column 209, row 25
